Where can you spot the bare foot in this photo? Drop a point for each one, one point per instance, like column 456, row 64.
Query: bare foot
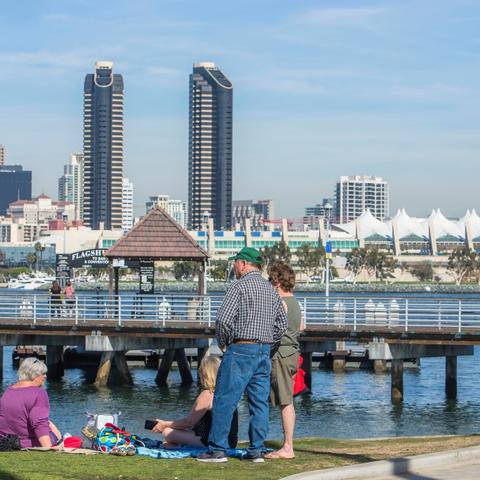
column 282, row 453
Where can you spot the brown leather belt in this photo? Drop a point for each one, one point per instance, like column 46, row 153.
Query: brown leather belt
column 246, row 342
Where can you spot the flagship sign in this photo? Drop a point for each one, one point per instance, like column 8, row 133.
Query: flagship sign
column 89, row 258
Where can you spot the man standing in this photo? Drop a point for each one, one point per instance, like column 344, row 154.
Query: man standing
column 250, row 320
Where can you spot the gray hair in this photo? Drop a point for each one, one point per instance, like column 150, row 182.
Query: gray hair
column 31, row 368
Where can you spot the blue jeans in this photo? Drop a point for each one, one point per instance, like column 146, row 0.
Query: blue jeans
column 244, row 368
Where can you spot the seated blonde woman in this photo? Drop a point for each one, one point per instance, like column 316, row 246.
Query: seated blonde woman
column 25, row 409
column 194, row 428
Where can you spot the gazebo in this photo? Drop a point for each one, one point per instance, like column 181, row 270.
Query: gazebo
column 157, row 237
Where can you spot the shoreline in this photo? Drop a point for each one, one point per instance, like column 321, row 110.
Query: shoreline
column 190, row 286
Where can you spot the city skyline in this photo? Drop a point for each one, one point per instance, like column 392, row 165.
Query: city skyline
column 340, row 88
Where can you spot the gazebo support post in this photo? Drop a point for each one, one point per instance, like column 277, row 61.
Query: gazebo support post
column 110, row 276
column 183, row 366
column 165, row 365
column 116, row 271
column 202, row 278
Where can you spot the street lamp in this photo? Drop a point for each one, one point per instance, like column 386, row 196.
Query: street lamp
column 328, row 248
column 65, row 219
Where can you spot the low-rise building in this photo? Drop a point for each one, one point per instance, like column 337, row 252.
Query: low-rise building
column 33, row 216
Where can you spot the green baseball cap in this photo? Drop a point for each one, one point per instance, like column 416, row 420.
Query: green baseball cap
column 249, row 254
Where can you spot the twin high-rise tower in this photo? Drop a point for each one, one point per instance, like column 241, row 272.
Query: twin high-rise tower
column 210, row 148
column 103, row 147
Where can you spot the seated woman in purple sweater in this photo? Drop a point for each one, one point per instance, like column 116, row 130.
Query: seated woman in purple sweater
column 25, row 409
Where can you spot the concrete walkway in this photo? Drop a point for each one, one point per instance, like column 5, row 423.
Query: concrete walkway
column 461, row 471
column 461, row 464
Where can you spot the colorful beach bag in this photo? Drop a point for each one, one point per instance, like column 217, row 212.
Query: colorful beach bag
column 111, row 439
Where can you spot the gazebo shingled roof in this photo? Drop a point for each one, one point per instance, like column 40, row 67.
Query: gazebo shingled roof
column 157, row 237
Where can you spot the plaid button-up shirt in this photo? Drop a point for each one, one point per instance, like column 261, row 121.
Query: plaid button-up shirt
column 251, row 310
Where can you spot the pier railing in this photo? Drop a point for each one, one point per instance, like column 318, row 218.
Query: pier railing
column 163, row 310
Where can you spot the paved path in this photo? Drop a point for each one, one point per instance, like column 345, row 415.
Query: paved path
column 460, row 471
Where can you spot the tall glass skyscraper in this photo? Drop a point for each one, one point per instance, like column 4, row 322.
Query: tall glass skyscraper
column 210, row 147
column 103, row 147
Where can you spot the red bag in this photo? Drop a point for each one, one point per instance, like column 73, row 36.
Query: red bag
column 299, row 385
column 72, row 442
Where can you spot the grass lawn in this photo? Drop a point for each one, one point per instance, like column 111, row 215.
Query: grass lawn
column 311, row 454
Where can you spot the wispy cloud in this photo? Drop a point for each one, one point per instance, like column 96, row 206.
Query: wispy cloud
column 338, row 16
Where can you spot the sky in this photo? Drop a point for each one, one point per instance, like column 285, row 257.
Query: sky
column 321, row 89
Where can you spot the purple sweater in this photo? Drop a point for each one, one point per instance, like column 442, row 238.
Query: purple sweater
column 25, row 412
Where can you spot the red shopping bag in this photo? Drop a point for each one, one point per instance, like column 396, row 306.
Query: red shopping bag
column 299, row 385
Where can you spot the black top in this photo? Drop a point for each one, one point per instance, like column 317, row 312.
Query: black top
column 202, row 429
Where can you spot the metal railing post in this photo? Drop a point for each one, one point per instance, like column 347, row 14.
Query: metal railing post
column 34, row 309
column 164, row 313
column 459, row 316
column 76, row 310
column 406, row 315
column 209, row 311
column 305, row 312
column 354, row 314
column 119, row 306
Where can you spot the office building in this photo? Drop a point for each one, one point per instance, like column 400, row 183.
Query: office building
column 259, row 212
column 2, row 154
column 15, row 183
column 70, row 184
column 318, row 212
column 210, row 147
column 103, row 147
column 355, row 194
column 127, row 205
column 177, row 209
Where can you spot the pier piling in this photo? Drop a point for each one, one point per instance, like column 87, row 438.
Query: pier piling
column 451, row 377
column 183, row 366
column 104, row 369
column 165, row 365
column 55, row 362
column 397, row 380
column 122, row 367
column 379, row 366
column 1, row 363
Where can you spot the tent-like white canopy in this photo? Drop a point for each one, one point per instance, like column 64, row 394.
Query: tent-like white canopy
column 410, row 228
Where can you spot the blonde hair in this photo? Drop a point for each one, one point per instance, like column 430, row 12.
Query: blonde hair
column 207, row 372
column 30, row 369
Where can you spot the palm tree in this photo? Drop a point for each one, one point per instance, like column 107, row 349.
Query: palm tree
column 39, row 249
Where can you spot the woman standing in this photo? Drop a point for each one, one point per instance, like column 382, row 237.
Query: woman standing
column 285, row 359
column 55, row 299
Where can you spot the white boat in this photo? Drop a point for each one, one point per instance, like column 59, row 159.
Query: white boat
column 30, row 282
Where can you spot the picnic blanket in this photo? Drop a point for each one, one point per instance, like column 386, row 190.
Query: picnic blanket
column 62, row 449
column 186, row 452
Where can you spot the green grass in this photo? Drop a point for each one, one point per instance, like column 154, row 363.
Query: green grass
column 311, row 454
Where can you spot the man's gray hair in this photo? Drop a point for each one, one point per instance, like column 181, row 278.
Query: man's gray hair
column 31, row 368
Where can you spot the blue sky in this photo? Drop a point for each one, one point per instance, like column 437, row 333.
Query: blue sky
column 321, row 89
